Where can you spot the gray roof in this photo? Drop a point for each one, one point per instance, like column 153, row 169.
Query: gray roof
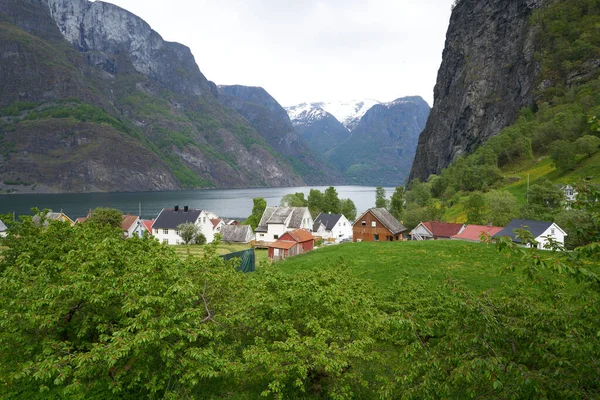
column 535, row 227
column 2, row 227
column 329, row 220
column 236, row 233
column 278, row 215
column 387, row 219
column 171, row 219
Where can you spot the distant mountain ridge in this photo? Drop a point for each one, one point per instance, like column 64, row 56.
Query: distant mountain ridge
column 380, row 147
column 92, row 99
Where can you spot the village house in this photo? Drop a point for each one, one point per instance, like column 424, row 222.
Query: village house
column 377, row 224
column 236, row 234
column 540, row 230
column 276, row 221
column 3, row 229
column 132, row 226
column 55, row 216
column 290, row 244
column 333, row 227
column 472, row 233
column 435, row 230
column 165, row 225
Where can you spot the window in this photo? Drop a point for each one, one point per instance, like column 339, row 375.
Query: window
column 373, row 224
column 177, row 233
column 156, row 231
column 262, row 235
column 552, row 231
column 275, row 236
column 364, row 223
column 165, row 231
column 376, row 238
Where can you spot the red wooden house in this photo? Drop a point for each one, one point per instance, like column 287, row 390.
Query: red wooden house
column 290, row 244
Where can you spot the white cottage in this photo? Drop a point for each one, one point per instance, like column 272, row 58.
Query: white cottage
column 132, row 226
column 276, row 221
column 165, row 225
column 540, row 230
column 334, row 227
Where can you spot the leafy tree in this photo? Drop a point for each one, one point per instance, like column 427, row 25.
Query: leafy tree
column 188, row 232
column 315, row 202
column 419, row 193
column 257, row 211
column 563, row 154
column 348, row 209
column 106, row 216
column 438, row 185
column 503, row 207
column 380, row 200
column 294, row 200
column 477, row 209
column 331, row 201
column 199, row 238
column 397, row 203
column 587, row 144
column 546, row 195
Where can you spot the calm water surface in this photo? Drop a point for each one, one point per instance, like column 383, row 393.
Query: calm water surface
column 231, row 203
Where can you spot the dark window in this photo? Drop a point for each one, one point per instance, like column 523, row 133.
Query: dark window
column 276, row 236
column 376, row 238
column 364, row 223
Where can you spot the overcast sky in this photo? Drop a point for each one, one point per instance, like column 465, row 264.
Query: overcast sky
column 309, row 50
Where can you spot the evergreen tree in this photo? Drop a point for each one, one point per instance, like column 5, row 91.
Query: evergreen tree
column 397, row 203
column 331, row 201
column 348, row 209
column 315, row 202
column 477, row 209
column 380, row 201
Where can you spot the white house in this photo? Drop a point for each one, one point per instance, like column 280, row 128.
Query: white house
column 165, row 226
column 132, row 226
column 276, row 221
column 335, row 227
column 3, row 229
column 570, row 195
column 540, row 230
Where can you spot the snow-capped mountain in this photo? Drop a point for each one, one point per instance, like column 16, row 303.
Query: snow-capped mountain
column 348, row 113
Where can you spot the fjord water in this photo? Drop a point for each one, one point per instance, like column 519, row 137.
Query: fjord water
column 231, row 203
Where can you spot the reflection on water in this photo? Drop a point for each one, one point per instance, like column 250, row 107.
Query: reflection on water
column 232, row 203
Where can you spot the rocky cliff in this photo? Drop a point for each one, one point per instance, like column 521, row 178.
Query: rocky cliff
column 488, row 73
column 91, row 98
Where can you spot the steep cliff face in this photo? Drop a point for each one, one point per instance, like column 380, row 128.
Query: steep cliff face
column 488, row 74
column 271, row 120
column 381, row 148
column 94, row 71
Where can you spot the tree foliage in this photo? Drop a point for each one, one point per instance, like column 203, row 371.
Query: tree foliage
column 106, row 216
column 188, row 232
column 294, row 200
column 477, row 209
column 331, row 201
column 380, row 200
column 348, row 209
column 397, row 203
column 258, row 208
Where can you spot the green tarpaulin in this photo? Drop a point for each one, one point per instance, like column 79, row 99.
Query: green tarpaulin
column 247, row 259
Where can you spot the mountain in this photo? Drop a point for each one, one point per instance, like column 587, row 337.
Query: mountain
column 381, row 148
column 92, row 99
column 271, row 120
column 348, row 113
column 488, row 73
column 320, row 129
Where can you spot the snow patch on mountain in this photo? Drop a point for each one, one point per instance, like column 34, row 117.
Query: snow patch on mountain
column 348, row 113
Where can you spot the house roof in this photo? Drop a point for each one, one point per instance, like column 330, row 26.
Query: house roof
column 329, row 220
column 386, row 218
column 2, row 227
column 171, row 219
column 216, row 221
column 127, row 221
column 279, row 215
column 283, row 244
column 148, row 224
column 81, row 219
column 472, row 232
column 317, row 226
column 442, row 229
column 536, row 228
column 301, row 235
column 236, row 233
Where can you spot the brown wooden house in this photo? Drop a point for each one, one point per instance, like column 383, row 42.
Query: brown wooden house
column 292, row 243
column 377, row 224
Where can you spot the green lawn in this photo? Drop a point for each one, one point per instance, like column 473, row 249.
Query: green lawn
column 478, row 266
column 224, row 248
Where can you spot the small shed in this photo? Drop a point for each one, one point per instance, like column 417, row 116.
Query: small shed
column 236, row 233
column 292, row 243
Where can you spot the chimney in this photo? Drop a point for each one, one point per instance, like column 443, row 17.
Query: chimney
column 185, row 208
column 176, row 208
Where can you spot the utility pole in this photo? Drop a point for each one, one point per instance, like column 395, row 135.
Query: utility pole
column 527, row 196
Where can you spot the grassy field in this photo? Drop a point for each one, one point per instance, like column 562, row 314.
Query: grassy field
column 224, row 248
column 478, row 266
